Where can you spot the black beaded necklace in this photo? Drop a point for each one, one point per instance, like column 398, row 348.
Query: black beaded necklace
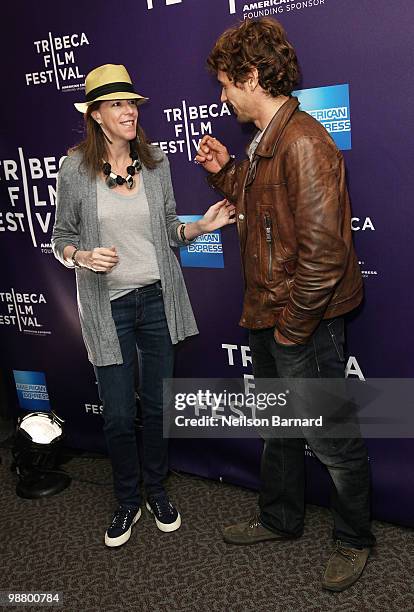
column 112, row 179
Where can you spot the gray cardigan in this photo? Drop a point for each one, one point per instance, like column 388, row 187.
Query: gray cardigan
column 76, row 223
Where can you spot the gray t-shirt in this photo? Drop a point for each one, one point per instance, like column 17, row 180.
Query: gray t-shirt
column 124, row 222
column 254, row 144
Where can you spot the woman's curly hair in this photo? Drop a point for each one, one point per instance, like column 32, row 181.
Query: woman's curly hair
column 260, row 44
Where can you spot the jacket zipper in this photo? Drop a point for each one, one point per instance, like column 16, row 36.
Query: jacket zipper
column 268, row 232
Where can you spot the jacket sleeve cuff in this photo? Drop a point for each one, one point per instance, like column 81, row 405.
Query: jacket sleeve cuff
column 175, row 238
column 215, row 180
column 297, row 331
column 58, row 246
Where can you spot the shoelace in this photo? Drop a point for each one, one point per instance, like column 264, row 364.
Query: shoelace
column 347, row 553
column 254, row 522
column 163, row 507
column 121, row 517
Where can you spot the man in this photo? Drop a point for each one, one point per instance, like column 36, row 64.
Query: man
column 301, row 276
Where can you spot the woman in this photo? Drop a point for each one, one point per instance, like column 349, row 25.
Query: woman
column 115, row 224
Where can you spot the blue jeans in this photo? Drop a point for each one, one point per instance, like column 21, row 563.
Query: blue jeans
column 140, row 322
column 282, row 499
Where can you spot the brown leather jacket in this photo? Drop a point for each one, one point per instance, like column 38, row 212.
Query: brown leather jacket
column 294, row 222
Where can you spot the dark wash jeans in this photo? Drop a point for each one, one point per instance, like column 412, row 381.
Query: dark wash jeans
column 140, row 322
column 281, row 500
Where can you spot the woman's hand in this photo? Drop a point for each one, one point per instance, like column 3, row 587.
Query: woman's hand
column 212, row 155
column 218, row 215
column 101, row 259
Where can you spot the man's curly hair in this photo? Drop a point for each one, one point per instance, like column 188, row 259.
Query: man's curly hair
column 260, row 44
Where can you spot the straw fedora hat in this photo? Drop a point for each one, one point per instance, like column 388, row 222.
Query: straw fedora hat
column 108, row 82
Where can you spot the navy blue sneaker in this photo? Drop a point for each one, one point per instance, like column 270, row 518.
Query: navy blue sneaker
column 167, row 517
column 119, row 531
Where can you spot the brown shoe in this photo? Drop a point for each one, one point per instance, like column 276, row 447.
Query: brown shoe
column 344, row 567
column 250, row 532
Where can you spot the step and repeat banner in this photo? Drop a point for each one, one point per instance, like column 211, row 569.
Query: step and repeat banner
column 356, row 63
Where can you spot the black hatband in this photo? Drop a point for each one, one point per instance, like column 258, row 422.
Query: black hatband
column 109, row 88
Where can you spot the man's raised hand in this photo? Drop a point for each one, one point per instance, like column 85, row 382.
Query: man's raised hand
column 212, row 154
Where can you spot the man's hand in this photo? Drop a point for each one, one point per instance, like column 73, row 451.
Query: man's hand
column 282, row 340
column 101, row 259
column 212, row 155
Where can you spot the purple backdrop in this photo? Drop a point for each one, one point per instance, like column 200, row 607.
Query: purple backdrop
column 164, row 43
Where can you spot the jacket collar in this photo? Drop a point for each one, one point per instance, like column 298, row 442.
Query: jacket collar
column 273, row 132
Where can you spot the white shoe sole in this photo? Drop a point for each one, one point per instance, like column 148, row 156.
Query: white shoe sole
column 165, row 527
column 112, row 542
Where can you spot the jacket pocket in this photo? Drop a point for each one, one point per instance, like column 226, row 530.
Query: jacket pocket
column 277, row 263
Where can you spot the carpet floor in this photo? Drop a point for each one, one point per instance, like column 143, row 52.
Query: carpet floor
column 56, row 544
